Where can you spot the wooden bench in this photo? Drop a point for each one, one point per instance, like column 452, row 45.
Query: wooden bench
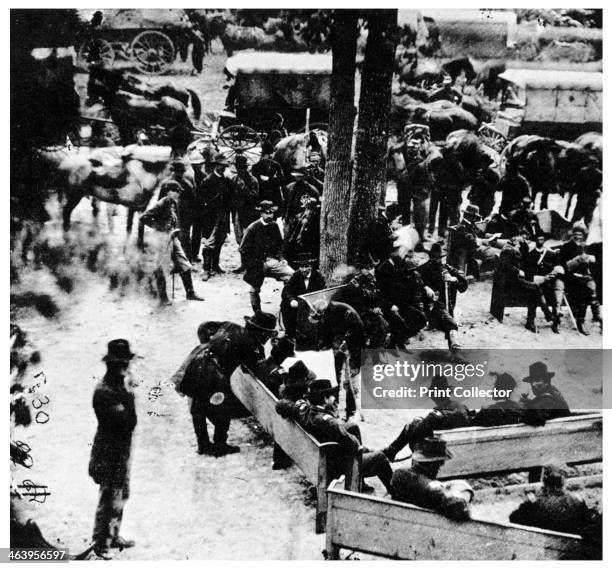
column 311, row 456
column 512, row 448
column 386, row 528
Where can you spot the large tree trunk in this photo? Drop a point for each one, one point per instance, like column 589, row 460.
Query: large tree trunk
column 370, row 176
column 339, row 167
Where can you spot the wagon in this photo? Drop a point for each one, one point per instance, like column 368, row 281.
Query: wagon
column 556, row 104
column 296, row 85
column 148, row 38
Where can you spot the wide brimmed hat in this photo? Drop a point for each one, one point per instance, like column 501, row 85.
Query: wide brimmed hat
column 285, row 345
column 431, row 450
column 299, row 371
column 263, row 321
column 118, row 351
column 304, row 259
column 321, row 387
column 267, row 206
column 220, row 158
column 471, row 211
column 538, row 371
column 436, row 251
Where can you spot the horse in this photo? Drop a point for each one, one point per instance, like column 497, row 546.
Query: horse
column 292, row 152
column 133, row 113
column 124, row 176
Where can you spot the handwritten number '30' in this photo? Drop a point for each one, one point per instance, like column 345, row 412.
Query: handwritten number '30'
column 41, row 417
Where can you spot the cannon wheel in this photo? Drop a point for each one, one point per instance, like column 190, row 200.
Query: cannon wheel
column 152, row 52
column 96, row 49
column 492, row 137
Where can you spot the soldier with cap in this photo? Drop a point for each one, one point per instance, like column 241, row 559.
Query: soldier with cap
column 446, row 414
column 165, row 247
column 269, row 174
column 297, row 194
column 261, row 251
column 547, row 403
column 206, row 378
column 581, row 286
column 213, row 196
column 417, row 484
column 109, row 465
column 444, row 281
column 318, row 416
column 505, row 411
column 305, row 279
column 553, row 508
column 244, row 198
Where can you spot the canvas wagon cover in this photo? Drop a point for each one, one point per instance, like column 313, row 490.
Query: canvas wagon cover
column 146, row 19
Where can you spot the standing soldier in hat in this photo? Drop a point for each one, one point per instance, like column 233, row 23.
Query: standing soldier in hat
column 448, row 176
column 244, row 199
column 417, row 484
column 214, row 204
column 166, row 248
column 270, row 176
column 206, row 378
column 261, row 251
column 305, row 279
column 109, row 466
column 443, row 281
column 581, row 286
column 548, row 402
column 504, row 411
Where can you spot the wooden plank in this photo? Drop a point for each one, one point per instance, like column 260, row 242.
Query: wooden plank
column 484, row 450
column 402, row 531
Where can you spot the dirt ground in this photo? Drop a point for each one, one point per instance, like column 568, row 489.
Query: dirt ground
column 182, row 505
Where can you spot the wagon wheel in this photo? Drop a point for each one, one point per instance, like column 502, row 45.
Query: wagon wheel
column 96, row 49
column 492, row 137
column 152, row 52
column 239, row 138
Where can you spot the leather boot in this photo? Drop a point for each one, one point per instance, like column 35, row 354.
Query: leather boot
column 530, row 324
column 398, row 444
column 160, row 280
column 556, row 319
column 255, row 301
column 215, row 262
column 581, row 328
column 205, row 265
column 544, row 306
column 596, row 310
column 188, row 284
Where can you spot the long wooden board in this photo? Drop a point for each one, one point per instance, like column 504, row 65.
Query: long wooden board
column 511, row 448
column 401, row 531
column 309, row 455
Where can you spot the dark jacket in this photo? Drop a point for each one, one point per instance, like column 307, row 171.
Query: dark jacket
column 320, row 422
column 161, row 216
column 271, row 374
column 546, row 406
column 414, row 487
column 269, row 174
column 506, row 412
column 110, row 455
column 258, row 243
column 296, row 286
column 339, row 322
column 399, row 285
column 433, row 277
column 539, row 263
column 244, row 198
column 380, row 239
column 294, row 194
column 213, row 195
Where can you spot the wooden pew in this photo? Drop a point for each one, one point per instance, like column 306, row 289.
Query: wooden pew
column 402, row 531
column 512, row 448
column 311, row 456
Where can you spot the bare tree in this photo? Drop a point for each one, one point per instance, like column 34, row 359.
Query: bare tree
column 370, row 173
column 339, row 166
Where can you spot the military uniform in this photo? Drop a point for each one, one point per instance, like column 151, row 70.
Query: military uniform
column 413, row 190
column 295, row 287
column 548, row 405
column 482, row 191
column 109, row 465
column 413, row 486
column 244, row 198
column 186, row 207
column 269, row 174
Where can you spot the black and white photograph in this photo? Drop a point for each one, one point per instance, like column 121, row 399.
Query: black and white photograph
column 229, row 224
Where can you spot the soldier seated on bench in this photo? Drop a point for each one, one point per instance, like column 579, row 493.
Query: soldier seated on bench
column 418, row 485
column 269, row 371
column 554, row 508
column 504, row 411
column 319, row 417
column 447, row 414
